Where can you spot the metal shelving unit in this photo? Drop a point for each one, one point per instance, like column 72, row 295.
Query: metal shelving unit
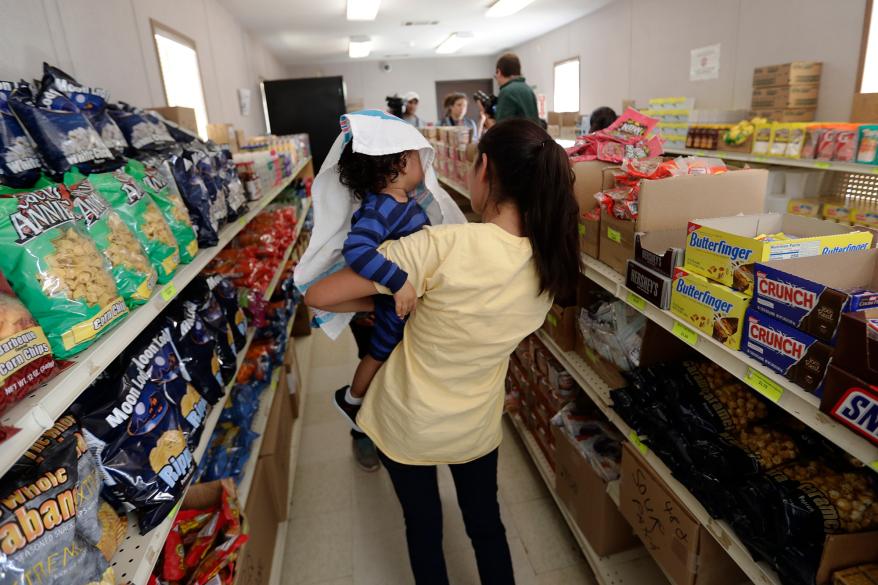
column 819, row 165
column 39, row 410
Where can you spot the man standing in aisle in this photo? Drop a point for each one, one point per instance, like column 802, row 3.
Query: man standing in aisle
column 411, row 100
column 516, row 99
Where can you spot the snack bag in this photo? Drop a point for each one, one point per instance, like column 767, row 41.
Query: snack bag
column 143, row 217
column 197, row 344
column 227, row 296
column 169, row 203
column 132, row 271
column 91, row 101
column 867, row 151
column 19, row 162
column 197, row 199
column 24, row 349
column 813, row 134
column 142, row 130
column 62, row 133
column 780, row 138
column 212, row 313
column 39, row 515
column 846, row 143
column 630, row 127
column 762, row 138
column 796, row 140
column 56, row 269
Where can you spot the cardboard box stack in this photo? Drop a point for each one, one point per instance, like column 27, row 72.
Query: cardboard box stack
column 563, row 125
column 787, row 92
column 848, row 211
column 454, row 150
column 673, row 115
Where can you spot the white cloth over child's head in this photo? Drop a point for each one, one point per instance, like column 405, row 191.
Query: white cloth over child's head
column 374, row 133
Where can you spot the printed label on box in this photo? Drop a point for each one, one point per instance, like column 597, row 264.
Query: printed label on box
column 714, row 309
column 651, row 286
column 858, row 409
column 786, row 350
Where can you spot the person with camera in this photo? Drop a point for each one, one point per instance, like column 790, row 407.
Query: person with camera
column 516, row 99
column 455, row 113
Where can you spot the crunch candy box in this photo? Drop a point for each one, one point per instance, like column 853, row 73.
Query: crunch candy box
column 714, row 309
column 725, row 249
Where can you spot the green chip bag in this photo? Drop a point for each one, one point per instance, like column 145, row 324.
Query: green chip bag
column 171, row 205
column 56, row 269
column 135, row 276
column 143, row 217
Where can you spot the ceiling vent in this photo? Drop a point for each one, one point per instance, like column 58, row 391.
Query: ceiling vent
column 420, row 23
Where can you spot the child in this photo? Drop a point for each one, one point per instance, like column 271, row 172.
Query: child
column 387, row 212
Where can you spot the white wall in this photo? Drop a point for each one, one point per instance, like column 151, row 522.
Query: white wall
column 368, row 84
column 638, row 49
column 108, row 43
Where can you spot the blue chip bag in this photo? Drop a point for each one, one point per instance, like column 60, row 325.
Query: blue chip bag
column 19, row 162
column 142, row 130
column 197, row 199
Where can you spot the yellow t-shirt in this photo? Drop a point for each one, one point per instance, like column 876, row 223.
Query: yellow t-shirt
column 439, row 397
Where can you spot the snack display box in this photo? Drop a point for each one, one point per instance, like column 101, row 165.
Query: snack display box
column 724, row 249
column 712, row 308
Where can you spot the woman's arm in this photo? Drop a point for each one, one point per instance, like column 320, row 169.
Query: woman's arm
column 342, row 292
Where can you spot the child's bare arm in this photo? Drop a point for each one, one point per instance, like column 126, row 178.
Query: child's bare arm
column 345, row 286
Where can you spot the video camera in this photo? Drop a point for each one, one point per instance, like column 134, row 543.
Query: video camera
column 488, row 101
column 395, row 105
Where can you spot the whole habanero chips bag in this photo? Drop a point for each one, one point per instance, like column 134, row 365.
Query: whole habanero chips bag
column 134, row 275
column 143, row 217
column 170, row 204
column 56, row 269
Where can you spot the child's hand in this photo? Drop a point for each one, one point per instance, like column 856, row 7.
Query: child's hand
column 405, row 298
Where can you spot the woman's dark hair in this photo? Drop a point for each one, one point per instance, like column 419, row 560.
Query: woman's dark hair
column 601, row 118
column 362, row 173
column 526, row 166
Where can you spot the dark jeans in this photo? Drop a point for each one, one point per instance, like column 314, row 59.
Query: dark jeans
column 476, row 482
column 363, row 337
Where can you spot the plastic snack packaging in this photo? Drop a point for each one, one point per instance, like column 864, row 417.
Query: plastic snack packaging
column 197, row 344
column 142, row 130
column 227, row 295
column 211, row 311
column 631, row 127
column 143, row 218
column 19, row 162
column 132, row 271
column 170, row 204
column 798, row 134
column 867, row 151
column 827, row 144
column 56, row 269
column 197, row 199
column 24, row 349
column 846, row 143
column 91, row 101
column 762, row 138
column 40, row 521
column 813, row 134
column 63, row 135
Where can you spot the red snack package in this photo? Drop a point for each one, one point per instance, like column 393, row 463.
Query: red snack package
column 173, row 565
column 217, row 559
column 827, row 144
column 630, row 127
column 846, row 144
column 203, row 541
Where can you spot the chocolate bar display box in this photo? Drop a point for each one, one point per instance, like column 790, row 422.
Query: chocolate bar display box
column 649, row 284
column 852, row 401
column 812, row 293
column 724, row 249
column 798, row 356
column 661, row 251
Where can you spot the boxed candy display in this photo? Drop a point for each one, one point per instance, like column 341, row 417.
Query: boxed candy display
column 711, row 308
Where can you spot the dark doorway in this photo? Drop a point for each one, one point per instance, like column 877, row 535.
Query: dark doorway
column 312, row 106
column 467, row 87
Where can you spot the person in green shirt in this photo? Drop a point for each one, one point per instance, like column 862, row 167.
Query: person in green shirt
column 516, row 99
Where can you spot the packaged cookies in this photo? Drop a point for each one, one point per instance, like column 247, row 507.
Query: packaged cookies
column 135, row 276
column 170, row 204
column 143, row 217
column 56, row 270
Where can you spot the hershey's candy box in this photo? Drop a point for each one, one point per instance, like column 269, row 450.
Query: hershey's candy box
column 649, row 284
column 803, row 359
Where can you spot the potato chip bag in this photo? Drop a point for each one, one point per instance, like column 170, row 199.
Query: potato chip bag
column 19, row 162
column 135, row 276
column 56, row 269
column 143, row 217
column 195, row 195
column 170, row 204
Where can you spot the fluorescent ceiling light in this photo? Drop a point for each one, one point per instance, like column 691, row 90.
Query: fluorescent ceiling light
column 363, row 9
column 454, row 42
column 500, row 8
column 359, row 47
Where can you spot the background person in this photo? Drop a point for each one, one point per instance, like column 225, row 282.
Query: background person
column 455, row 105
column 516, row 99
column 412, row 100
column 601, row 118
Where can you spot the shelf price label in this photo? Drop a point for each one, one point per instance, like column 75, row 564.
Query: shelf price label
column 874, row 466
column 635, row 440
column 552, row 319
column 582, row 229
column 874, row 170
column 684, row 333
column 169, row 292
column 763, row 384
column 636, row 301
column 820, row 164
column 614, row 235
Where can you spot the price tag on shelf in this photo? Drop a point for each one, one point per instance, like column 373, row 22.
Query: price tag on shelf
column 552, row 319
column 614, row 235
column 763, row 384
column 636, row 301
column 874, row 170
column 874, row 465
column 582, row 229
column 242, row 222
column 762, row 159
column 684, row 333
column 169, row 292
column 822, row 164
column 635, row 440
column 700, row 153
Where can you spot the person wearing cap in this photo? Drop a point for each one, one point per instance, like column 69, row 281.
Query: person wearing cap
column 411, row 100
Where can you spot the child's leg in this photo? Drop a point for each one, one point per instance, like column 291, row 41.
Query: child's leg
column 366, row 370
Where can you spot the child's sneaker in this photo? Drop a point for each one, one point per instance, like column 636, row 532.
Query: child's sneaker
column 348, row 406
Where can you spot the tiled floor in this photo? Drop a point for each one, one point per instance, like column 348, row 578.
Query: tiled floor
column 346, row 527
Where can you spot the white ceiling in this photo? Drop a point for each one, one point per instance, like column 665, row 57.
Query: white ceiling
column 316, row 31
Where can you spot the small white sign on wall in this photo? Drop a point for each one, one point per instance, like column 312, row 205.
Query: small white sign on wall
column 704, row 63
column 244, row 100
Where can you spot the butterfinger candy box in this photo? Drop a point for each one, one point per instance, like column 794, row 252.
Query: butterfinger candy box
column 724, row 249
column 712, row 308
column 786, row 350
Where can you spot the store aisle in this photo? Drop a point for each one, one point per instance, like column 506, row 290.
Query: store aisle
column 346, row 527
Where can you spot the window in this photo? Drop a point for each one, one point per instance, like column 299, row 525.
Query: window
column 181, row 76
column 869, row 59
column 567, row 86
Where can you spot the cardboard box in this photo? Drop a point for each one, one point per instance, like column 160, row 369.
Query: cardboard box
column 589, row 179
column 725, row 248
column 856, row 347
column 851, row 401
column 180, row 116
column 785, row 97
column 797, row 72
column 865, row 108
column 799, row 357
column 275, row 450
column 584, row 494
column 589, row 236
column 683, row 548
column 660, row 251
column 257, row 555
column 712, row 308
column 616, row 244
column 652, row 286
column 560, row 326
column 221, row 133
column 813, row 293
column 786, row 115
